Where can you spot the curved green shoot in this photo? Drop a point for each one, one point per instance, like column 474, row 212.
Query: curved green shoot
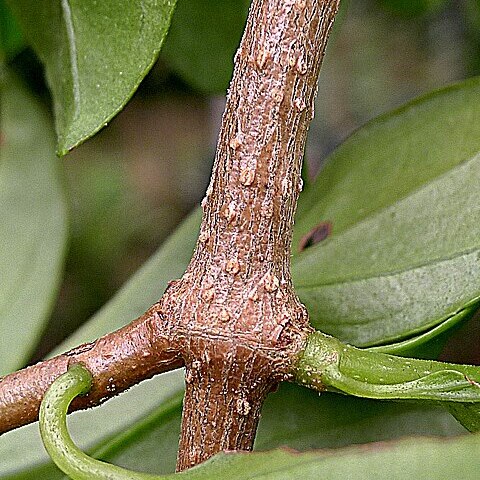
column 57, row 441
column 328, row 364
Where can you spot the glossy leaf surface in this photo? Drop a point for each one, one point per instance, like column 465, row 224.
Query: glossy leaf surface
column 413, row 458
column 402, row 198
column 33, row 224
column 95, row 54
column 428, row 344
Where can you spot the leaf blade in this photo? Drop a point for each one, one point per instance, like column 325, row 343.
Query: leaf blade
column 34, row 230
column 11, row 40
column 420, row 459
column 399, row 242
column 95, row 55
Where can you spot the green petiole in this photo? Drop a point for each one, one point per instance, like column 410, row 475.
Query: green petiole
column 57, row 441
column 328, row 364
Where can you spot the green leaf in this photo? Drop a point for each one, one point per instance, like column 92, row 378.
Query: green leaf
column 467, row 414
column 11, row 39
column 411, row 458
column 402, row 197
column 95, row 54
column 33, row 224
column 428, row 344
column 419, row 459
column 203, row 38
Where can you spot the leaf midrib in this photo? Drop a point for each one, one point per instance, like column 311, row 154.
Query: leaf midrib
column 72, row 50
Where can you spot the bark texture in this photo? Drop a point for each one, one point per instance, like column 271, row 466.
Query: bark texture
column 117, row 361
column 237, row 295
column 233, row 319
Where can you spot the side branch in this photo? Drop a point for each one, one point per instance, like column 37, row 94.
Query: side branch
column 117, row 361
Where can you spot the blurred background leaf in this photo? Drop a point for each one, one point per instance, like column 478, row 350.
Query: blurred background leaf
column 202, row 41
column 11, row 39
column 33, row 221
column 408, row 8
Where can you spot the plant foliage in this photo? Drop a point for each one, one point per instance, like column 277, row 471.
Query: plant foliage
column 395, row 266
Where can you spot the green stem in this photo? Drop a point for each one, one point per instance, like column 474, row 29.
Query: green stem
column 58, row 443
column 328, row 364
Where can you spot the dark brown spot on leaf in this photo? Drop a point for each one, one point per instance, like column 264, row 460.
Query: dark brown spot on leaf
column 316, row 235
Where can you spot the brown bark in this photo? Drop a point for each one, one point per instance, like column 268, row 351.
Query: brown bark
column 233, row 319
column 117, row 361
column 237, row 294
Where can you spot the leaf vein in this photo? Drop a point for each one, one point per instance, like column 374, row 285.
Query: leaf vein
column 72, row 46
